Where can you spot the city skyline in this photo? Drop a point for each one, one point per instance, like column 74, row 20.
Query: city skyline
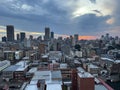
column 88, row 18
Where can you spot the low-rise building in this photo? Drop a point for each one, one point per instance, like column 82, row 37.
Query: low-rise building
column 4, row 64
column 93, row 69
column 17, row 71
column 51, row 80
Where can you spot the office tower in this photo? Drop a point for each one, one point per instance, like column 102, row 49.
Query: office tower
column 10, row 33
column 39, row 38
column 18, row 37
column 4, row 39
column 107, row 37
column 71, row 40
column 22, row 36
column 31, row 37
column 52, row 35
column 47, row 33
column 76, row 36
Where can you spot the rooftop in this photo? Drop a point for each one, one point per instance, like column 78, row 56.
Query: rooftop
column 100, row 87
column 25, row 58
column 2, row 63
column 32, row 70
column 12, row 68
column 85, row 75
column 54, row 87
column 108, row 59
column 49, row 76
column 31, row 87
column 92, row 66
column 22, row 65
column 77, row 62
column 80, row 69
column 111, row 60
column 117, row 61
column 56, row 74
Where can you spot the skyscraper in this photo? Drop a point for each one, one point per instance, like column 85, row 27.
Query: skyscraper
column 52, row 35
column 47, row 33
column 22, row 36
column 75, row 38
column 18, row 37
column 10, row 33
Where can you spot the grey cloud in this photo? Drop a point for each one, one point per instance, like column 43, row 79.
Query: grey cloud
column 97, row 11
column 116, row 13
column 91, row 23
column 51, row 13
column 93, row 1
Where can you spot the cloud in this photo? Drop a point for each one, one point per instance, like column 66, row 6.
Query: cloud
column 97, row 11
column 110, row 21
column 91, row 23
column 93, row 1
column 62, row 16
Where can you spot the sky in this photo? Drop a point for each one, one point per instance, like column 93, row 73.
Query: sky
column 90, row 18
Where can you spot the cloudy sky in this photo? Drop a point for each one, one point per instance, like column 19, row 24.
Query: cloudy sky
column 90, row 18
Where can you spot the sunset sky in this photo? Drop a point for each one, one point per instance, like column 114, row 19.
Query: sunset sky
column 88, row 18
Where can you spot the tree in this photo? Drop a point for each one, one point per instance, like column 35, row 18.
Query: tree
column 110, row 48
column 117, row 46
column 78, row 47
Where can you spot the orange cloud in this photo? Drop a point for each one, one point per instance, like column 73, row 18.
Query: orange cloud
column 87, row 37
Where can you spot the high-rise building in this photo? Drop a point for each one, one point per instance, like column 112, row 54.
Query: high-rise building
column 47, row 33
column 31, row 37
column 52, row 35
column 76, row 36
column 4, row 39
column 22, row 36
column 18, row 37
column 10, row 33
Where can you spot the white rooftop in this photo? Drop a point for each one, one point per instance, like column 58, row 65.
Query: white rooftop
column 9, row 51
column 76, row 62
column 23, row 65
column 107, row 59
column 45, row 56
column 25, row 58
column 100, row 87
column 80, row 69
column 32, row 70
column 63, row 65
column 41, row 75
column 48, row 76
column 54, row 87
column 31, row 87
column 117, row 61
column 85, row 75
column 92, row 66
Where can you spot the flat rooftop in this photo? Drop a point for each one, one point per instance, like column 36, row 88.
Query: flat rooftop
column 80, row 69
column 111, row 60
column 20, row 66
column 32, row 70
column 92, row 66
column 12, row 68
column 54, row 87
column 85, row 75
column 49, row 76
column 100, row 87
column 23, row 65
